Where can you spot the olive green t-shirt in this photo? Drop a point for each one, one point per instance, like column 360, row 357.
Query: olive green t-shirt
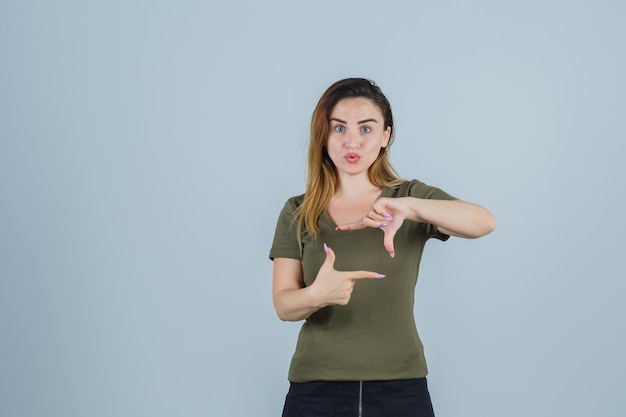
column 374, row 336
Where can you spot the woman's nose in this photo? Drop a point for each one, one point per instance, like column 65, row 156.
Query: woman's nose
column 352, row 140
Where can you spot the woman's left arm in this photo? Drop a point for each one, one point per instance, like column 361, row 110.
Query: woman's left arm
column 452, row 217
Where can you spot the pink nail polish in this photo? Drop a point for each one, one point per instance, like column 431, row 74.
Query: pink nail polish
column 387, row 217
column 325, row 248
column 378, row 276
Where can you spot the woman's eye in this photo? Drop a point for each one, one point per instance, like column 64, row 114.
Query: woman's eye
column 366, row 129
column 339, row 129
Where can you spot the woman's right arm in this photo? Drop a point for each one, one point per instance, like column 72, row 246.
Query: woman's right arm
column 293, row 301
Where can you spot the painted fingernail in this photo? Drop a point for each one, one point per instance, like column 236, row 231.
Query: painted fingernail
column 393, row 254
column 387, row 216
column 325, row 248
column 378, row 276
column 383, row 225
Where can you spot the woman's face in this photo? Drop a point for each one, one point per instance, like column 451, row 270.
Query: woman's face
column 357, row 133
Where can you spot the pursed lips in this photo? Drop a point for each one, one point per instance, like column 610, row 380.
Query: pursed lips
column 352, row 157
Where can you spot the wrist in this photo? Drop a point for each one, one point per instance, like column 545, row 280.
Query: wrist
column 412, row 211
column 314, row 298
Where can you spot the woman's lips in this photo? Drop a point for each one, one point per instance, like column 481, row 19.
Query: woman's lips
column 352, row 157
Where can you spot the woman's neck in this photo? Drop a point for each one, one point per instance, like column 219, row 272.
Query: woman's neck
column 352, row 201
column 352, row 188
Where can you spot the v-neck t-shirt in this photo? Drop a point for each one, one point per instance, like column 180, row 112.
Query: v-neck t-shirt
column 374, row 336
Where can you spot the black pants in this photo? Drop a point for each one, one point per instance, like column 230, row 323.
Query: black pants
column 401, row 398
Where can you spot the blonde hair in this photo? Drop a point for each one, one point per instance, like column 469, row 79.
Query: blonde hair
column 322, row 179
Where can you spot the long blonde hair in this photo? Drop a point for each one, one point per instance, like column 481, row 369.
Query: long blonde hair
column 321, row 180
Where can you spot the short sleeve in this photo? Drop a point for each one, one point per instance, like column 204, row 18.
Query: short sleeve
column 420, row 190
column 286, row 243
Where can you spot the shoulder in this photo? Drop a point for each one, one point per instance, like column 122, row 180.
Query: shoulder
column 294, row 202
column 291, row 205
column 419, row 189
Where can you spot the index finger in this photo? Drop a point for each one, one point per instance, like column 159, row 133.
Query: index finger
column 354, row 275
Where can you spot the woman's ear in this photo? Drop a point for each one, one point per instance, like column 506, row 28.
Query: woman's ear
column 386, row 136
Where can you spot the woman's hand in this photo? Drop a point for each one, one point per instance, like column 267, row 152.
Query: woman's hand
column 452, row 217
column 293, row 301
column 335, row 287
column 387, row 214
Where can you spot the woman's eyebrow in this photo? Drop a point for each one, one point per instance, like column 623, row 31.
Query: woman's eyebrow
column 359, row 122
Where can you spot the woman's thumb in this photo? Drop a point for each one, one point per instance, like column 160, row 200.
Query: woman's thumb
column 330, row 256
column 388, row 242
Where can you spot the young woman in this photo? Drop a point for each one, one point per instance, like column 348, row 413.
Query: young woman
column 346, row 258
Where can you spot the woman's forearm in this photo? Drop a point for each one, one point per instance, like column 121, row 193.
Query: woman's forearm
column 296, row 304
column 453, row 217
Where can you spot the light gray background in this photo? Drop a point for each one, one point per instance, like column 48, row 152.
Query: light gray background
column 148, row 146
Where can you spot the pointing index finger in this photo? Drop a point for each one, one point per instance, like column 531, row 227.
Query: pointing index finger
column 365, row 275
